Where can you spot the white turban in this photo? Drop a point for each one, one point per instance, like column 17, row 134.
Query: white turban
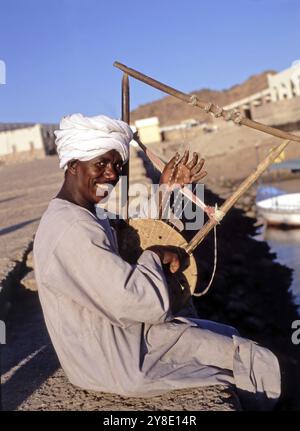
column 84, row 138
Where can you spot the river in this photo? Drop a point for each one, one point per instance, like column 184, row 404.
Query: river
column 286, row 242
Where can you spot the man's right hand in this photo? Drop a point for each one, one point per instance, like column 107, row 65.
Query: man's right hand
column 176, row 258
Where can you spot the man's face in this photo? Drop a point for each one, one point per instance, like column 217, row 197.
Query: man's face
column 94, row 176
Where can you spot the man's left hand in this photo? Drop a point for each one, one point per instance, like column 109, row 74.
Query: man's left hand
column 181, row 171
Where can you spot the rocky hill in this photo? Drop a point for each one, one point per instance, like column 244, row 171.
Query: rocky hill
column 170, row 110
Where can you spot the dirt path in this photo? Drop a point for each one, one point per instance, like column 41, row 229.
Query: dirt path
column 250, row 292
column 31, row 375
column 33, row 380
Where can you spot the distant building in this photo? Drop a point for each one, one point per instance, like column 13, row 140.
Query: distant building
column 282, row 86
column 25, row 141
column 148, row 129
column 190, row 122
column 49, row 138
column 286, row 84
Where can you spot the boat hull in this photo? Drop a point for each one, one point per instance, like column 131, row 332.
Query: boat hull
column 281, row 210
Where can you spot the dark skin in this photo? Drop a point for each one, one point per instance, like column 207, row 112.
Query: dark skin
column 81, row 179
column 80, row 187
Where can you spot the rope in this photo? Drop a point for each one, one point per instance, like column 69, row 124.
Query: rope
column 233, row 115
column 215, row 267
column 230, row 115
column 193, row 100
column 218, row 214
column 207, row 108
column 219, row 112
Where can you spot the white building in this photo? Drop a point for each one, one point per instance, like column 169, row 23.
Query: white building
column 26, row 141
column 286, row 84
column 281, row 86
column 148, row 129
column 15, row 141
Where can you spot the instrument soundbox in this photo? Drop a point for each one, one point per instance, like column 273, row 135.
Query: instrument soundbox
column 139, row 234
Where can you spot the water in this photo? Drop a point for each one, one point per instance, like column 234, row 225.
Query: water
column 286, row 244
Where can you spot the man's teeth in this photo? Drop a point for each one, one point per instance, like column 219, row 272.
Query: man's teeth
column 102, row 186
column 102, row 189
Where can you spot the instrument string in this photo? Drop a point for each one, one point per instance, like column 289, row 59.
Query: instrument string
column 175, row 203
column 163, row 202
column 166, row 211
column 214, row 269
column 179, row 169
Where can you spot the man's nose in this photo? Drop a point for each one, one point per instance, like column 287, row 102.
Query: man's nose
column 110, row 172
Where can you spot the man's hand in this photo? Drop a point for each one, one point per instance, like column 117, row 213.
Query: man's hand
column 175, row 257
column 181, row 171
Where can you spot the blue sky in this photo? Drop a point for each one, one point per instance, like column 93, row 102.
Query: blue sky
column 59, row 53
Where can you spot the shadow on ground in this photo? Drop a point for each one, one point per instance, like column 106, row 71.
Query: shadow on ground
column 250, row 292
column 28, row 351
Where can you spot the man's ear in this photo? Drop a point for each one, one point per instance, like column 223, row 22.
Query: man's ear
column 72, row 166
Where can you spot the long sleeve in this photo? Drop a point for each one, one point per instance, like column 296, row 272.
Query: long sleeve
column 85, row 267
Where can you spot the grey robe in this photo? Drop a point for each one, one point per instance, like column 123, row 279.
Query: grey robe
column 111, row 325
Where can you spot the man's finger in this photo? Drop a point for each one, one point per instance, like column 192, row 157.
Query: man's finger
column 198, row 167
column 181, row 159
column 185, row 176
column 174, row 265
column 196, row 178
column 193, row 162
column 171, row 163
column 185, row 157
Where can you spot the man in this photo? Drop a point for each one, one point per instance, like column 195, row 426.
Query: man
column 110, row 322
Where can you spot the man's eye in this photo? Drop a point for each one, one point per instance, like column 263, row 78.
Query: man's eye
column 101, row 164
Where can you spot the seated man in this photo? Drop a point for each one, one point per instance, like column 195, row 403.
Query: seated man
column 110, row 322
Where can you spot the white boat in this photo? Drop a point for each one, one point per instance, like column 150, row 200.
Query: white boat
column 283, row 209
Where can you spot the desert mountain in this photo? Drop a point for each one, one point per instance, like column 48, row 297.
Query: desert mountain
column 170, row 110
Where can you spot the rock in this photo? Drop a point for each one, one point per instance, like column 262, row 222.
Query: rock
column 29, row 282
column 267, row 263
column 254, row 323
column 251, row 214
column 56, row 387
column 237, row 270
column 247, row 201
column 29, row 260
column 236, row 306
column 238, row 258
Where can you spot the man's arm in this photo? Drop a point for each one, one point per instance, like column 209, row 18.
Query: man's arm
column 85, row 267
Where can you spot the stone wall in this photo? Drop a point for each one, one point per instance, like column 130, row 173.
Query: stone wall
column 278, row 113
column 21, row 144
column 23, row 156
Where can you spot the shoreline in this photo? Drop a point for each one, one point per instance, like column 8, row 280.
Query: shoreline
column 250, row 289
column 250, row 292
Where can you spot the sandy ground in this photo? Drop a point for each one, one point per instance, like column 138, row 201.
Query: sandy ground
column 25, row 191
column 33, row 380
column 31, row 376
column 250, row 292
